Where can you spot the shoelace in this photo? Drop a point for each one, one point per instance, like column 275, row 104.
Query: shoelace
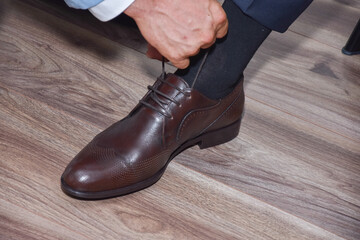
column 154, row 95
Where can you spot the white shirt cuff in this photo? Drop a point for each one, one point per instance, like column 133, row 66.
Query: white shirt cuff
column 109, row 9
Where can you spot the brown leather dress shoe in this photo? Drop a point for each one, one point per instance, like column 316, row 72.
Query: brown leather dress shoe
column 133, row 153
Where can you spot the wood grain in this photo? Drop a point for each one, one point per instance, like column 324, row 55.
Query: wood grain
column 308, row 80
column 300, row 168
column 121, row 29
column 297, row 156
column 328, row 21
column 53, row 71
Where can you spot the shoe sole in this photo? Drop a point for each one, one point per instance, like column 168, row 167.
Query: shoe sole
column 205, row 140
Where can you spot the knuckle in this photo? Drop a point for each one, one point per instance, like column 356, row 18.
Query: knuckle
column 194, row 51
column 175, row 57
column 221, row 17
column 183, row 64
column 208, row 37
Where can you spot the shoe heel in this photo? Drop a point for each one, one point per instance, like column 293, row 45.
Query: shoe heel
column 220, row 136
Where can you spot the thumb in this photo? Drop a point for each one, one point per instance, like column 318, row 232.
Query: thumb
column 182, row 64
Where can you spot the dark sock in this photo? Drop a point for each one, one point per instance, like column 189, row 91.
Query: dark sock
column 228, row 57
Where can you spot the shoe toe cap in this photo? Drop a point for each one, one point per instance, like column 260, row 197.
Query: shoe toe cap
column 76, row 179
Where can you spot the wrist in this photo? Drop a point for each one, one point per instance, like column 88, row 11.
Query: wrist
column 138, row 8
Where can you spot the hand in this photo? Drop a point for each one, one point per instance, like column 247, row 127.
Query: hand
column 178, row 29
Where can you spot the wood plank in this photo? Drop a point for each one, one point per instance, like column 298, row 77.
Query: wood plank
column 309, row 80
column 20, row 223
column 329, row 21
column 298, row 167
column 121, row 29
column 38, row 50
column 183, row 205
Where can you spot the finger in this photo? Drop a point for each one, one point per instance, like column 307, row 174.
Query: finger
column 193, row 53
column 207, row 45
column 222, row 31
column 182, row 64
column 220, row 18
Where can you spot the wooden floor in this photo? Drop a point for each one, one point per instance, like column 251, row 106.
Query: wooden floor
column 292, row 173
